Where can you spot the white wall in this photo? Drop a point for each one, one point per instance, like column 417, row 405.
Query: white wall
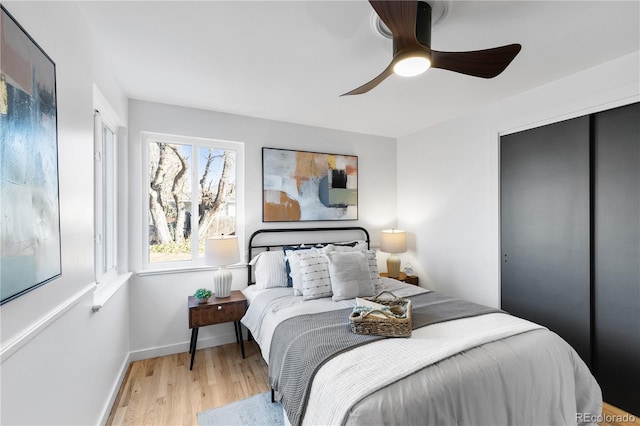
column 449, row 180
column 163, row 297
column 60, row 361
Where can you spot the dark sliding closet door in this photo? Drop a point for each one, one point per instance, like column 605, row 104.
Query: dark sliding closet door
column 545, row 229
column 617, row 255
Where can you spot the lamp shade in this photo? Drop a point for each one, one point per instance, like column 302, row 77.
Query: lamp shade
column 222, row 251
column 393, row 241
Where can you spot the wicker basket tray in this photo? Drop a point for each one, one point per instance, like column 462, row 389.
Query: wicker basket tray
column 389, row 325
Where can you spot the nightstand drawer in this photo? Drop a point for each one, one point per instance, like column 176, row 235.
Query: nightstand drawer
column 216, row 313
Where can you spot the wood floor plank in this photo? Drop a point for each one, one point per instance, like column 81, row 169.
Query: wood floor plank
column 163, row 391
column 614, row 416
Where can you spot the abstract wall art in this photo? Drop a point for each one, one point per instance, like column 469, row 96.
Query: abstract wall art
column 308, row 186
column 29, row 200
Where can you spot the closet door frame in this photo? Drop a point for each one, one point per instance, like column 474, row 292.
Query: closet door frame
column 614, row 250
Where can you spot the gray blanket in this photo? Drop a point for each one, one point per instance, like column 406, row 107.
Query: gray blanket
column 302, row 344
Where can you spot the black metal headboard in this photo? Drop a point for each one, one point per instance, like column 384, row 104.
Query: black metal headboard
column 292, row 236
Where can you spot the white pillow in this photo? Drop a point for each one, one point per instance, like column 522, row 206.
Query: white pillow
column 269, row 269
column 350, row 276
column 293, row 258
column 314, row 271
column 361, row 246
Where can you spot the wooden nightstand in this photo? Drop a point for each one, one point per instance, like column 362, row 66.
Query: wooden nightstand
column 216, row 311
column 409, row 279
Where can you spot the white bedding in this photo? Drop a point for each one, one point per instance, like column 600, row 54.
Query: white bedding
column 558, row 384
column 340, row 386
column 269, row 307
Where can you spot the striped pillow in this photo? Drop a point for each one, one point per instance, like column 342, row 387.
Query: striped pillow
column 314, row 268
column 270, row 271
column 373, row 270
column 292, row 259
column 356, row 245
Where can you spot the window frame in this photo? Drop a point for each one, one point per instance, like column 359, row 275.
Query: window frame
column 196, row 263
column 105, row 174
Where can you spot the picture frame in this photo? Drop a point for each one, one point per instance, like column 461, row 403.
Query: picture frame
column 30, row 250
column 300, row 186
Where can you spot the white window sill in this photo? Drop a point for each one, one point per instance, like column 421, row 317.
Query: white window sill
column 105, row 290
column 148, row 272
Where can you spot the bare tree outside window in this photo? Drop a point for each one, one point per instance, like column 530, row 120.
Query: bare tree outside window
column 191, row 195
column 216, row 202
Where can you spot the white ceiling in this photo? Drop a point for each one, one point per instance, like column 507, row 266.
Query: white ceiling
column 290, row 60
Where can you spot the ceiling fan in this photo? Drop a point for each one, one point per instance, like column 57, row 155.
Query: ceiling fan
column 410, row 24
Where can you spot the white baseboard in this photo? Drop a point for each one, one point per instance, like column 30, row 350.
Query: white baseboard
column 181, row 347
column 115, row 389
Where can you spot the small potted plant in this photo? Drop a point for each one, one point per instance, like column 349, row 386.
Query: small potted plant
column 202, row 294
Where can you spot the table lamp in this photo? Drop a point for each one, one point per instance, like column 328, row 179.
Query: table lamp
column 222, row 251
column 393, row 241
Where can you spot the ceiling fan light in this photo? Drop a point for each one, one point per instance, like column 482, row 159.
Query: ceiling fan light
column 411, row 66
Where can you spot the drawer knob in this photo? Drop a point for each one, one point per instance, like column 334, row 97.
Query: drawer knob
column 219, row 307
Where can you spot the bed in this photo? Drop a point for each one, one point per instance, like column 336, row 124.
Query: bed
column 463, row 364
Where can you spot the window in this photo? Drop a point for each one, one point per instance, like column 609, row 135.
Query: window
column 110, row 180
column 106, row 203
column 193, row 187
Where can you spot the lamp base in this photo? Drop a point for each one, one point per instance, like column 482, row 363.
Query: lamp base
column 393, row 266
column 222, row 283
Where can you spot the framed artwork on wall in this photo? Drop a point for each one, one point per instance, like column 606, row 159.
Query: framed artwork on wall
column 308, row 186
column 30, row 253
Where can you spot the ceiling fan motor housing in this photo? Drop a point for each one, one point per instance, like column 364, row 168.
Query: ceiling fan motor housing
column 423, row 26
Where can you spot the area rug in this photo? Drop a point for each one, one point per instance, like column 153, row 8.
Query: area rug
column 255, row 410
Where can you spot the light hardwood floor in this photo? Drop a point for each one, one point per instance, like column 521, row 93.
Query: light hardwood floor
column 617, row 417
column 163, row 391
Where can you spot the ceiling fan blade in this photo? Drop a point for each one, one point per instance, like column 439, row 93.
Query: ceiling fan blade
column 400, row 18
column 373, row 83
column 486, row 63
